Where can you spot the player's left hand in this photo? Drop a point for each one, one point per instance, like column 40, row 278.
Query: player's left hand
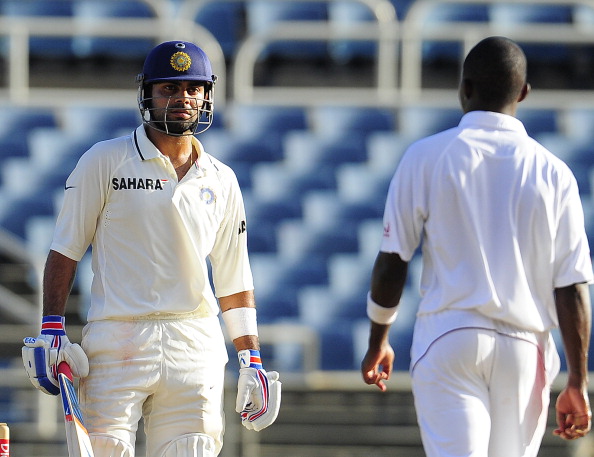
column 574, row 417
column 42, row 355
column 258, row 392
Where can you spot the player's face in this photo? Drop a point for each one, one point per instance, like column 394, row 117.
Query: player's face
column 175, row 105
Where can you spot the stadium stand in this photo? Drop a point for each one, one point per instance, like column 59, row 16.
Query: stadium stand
column 314, row 169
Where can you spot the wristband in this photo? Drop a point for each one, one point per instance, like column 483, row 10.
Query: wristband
column 240, row 322
column 249, row 358
column 53, row 325
column 380, row 314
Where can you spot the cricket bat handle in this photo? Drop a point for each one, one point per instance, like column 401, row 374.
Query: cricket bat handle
column 4, row 440
column 64, row 368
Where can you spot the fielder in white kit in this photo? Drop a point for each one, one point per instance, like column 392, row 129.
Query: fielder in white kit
column 505, row 260
column 154, row 206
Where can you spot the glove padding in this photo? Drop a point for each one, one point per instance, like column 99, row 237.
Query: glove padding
column 258, row 397
column 42, row 355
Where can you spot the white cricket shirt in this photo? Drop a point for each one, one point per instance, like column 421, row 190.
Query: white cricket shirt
column 150, row 234
column 500, row 222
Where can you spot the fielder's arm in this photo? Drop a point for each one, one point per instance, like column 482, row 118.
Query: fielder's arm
column 574, row 416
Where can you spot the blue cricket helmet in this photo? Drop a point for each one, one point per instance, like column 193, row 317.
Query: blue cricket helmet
column 177, row 61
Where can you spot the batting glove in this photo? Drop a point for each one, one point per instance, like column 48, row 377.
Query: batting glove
column 42, row 355
column 258, row 392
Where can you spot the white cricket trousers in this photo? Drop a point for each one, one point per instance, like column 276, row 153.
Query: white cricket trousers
column 170, row 372
column 479, row 393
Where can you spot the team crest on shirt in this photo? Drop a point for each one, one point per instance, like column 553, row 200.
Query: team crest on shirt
column 180, row 61
column 207, row 195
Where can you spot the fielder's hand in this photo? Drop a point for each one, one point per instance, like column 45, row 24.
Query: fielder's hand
column 42, row 355
column 258, row 392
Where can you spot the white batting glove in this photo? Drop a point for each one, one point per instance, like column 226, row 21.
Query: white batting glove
column 258, row 392
column 42, row 355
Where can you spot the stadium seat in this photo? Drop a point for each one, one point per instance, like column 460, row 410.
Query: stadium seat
column 275, row 181
column 263, row 123
column 56, row 149
column 306, row 151
column 384, row 150
column 577, row 123
column 415, row 122
column 15, row 125
column 369, row 237
column 104, row 121
column 91, row 12
column 358, row 183
column 41, row 46
column 277, row 283
column 445, row 13
column 225, row 20
column 336, row 121
column 505, row 16
column 230, row 148
column 296, row 240
column 538, row 121
column 345, row 15
column 263, row 15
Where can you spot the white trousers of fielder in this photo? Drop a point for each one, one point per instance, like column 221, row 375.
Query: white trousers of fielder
column 480, row 393
column 170, row 372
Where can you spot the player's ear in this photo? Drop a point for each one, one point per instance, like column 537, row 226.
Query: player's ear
column 524, row 92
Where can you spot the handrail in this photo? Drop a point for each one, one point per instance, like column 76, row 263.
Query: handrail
column 414, row 33
column 384, row 31
column 20, row 29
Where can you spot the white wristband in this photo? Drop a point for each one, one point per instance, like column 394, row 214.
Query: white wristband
column 380, row 314
column 240, row 322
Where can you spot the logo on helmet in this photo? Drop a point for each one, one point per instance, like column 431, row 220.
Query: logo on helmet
column 180, row 61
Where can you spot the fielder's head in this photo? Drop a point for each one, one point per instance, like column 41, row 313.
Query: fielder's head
column 494, row 76
column 176, row 89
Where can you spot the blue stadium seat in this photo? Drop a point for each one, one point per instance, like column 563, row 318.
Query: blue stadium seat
column 359, row 184
column 578, row 123
column 41, row 46
column 262, row 15
column 336, row 121
column 507, row 16
column 231, row 148
column 297, row 240
column 55, row 149
column 275, row 181
column 538, row 121
column 415, row 122
column 344, row 15
column 450, row 12
column 264, row 123
column 104, row 121
column 15, row 125
column 384, row 150
column 307, row 151
column 277, row 283
column 225, row 20
column 90, row 12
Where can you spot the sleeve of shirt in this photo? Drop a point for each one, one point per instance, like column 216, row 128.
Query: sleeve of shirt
column 405, row 209
column 84, row 196
column 572, row 253
column 229, row 258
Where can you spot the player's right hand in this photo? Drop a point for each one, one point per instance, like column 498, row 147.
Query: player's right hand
column 42, row 355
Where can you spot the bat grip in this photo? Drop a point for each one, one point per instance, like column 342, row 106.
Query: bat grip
column 64, row 368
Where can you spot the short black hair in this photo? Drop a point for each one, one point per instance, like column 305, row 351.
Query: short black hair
column 497, row 68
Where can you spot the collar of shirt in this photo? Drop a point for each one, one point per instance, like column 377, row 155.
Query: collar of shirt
column 147, row 150
column 492, row 121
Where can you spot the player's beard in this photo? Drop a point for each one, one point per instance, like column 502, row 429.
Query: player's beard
column 176, row 127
